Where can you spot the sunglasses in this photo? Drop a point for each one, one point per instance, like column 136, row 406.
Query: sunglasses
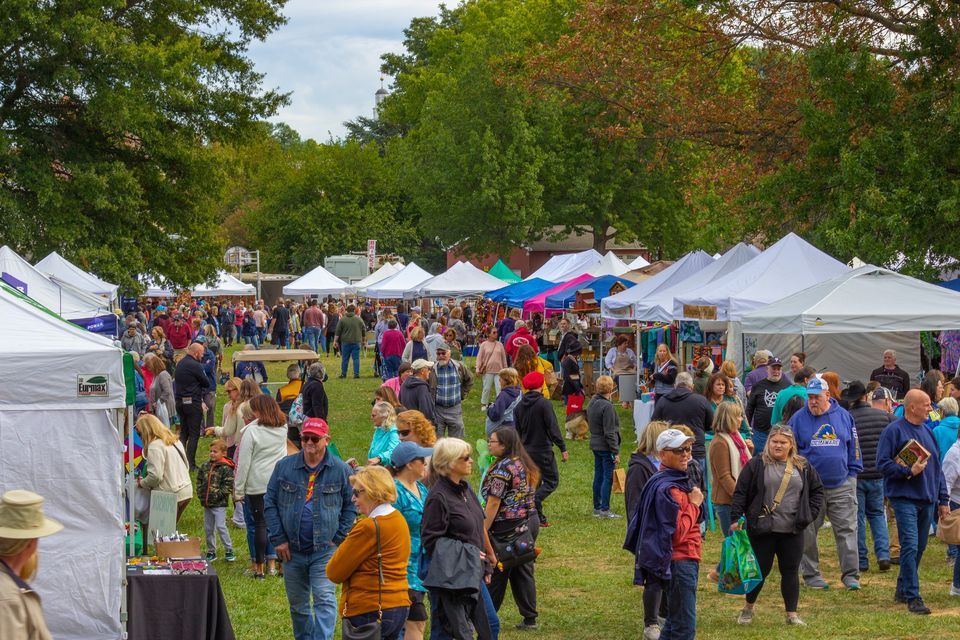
column 357, row 492
column 465, row 458
column 681, row 450
column 405, row 432
column 311, row 438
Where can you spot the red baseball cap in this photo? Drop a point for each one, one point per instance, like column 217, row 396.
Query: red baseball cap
column 317, row 426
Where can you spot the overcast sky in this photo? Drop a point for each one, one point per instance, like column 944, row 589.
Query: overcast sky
column 328, row 56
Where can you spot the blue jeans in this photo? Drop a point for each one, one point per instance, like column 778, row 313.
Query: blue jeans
column 391, row 626
column 681, row 621
column 248, row 524
column 305, row 574
column 347, row 350
column 390, row 366
column 913, row 526
column 602, row 479
column 312, row 336
column 254, row 340
column 759, row 442
column 870, row 509
column 723, row 515
column 956, row 561
column 261, row 335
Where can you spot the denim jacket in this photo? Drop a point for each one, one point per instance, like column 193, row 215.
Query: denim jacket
column 333, row 510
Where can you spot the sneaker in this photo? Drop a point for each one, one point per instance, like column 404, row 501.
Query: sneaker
column 527, row 626
column 651, row 632
column 713, row 576
column 483, row 407
column 883, row 565
column 916, row 606
column 341, row 377
column 851, row 584
column 596, row 513
column 954, row 591
column 230, row 557
column 817, row 583
column 796, row 621
column 543, row 521
column 211, row 556
column 746, row 616
column 609, row 514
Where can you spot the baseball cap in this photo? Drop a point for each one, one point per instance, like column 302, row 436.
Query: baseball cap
column 404, row 366
column 443, row 346
column 774, row 362
column 420, row 363
column 317, row 426
column 816, row 386
column 200, row 339
column 533, row 380
column 405, row 452
column 671, row 439
column 882, row 393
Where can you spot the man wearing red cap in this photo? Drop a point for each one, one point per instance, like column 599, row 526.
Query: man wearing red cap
column 539, row 430
column 309, row 511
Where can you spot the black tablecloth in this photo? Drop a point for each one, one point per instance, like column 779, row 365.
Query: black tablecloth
column 176, row 607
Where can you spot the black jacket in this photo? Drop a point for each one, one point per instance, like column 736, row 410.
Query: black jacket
column 315, row 404
column 870, row 423
column 749, row 492
column 683, row 406
column 570, row 375
column 190, row 380
column 604, row 425
column 537, row 423
column 760, row 403
column 897, row 380
column 567, row 341
column 415, row 394
column 639, row 471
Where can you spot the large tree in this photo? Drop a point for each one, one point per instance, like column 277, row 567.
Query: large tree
column 108, row 115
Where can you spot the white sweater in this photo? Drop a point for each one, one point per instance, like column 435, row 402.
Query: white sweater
column 951, row 471
column 260, row 450
column 167, row 470
column 232, row 424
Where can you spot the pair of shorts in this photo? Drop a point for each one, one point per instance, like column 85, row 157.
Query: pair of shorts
column 418, row 612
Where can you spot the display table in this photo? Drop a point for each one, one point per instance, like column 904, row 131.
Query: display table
column 176, row 607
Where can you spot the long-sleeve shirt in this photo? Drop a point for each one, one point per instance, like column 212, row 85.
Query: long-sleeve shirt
column 951, row 471
column 537, row 423
column 260, row 451
column 190, row 380
column 686, row 537
column 898, row 480
column 491, row 357
column 829, row 441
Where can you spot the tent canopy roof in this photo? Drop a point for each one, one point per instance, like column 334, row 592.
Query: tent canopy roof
column 638, row 263
column 397, row 285
column 514, row 295
column 58, row 266
column 561, row 268
column 226, row 285
column 502, row 272
column 565, row 298
column 609, row 265
column 60, row 297
column 621, row 305
column 462, row 279
column 538, row 302
column 859, row 301
column 790, row 265
column 317, row 282
column 386, row 270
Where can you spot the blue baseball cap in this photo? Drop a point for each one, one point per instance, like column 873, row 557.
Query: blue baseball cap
column 405, row 452
column 816, row 386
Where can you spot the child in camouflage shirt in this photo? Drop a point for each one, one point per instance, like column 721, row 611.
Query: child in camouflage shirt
column 214, row 488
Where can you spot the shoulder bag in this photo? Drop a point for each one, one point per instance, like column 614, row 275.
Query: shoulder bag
column 371, row 630
column 515, row 549
column 765, row 519
column 948, row 528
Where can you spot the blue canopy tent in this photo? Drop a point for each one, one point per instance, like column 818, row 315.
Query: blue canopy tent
column 565, row 298
column 951, row 284
column 514, row 295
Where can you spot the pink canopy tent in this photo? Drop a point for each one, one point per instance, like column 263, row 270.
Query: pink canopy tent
column 538, row 302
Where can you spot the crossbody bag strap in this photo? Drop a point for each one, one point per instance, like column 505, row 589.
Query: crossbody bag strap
column 787, row 474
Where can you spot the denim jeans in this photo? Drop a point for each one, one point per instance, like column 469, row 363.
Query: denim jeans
column 305, row 574
column 391, row 626
column 254, row 340
column 759, row 442
column 913, row 526
column 723, row 521
column 956, row 561
column 390, row 366
column 312, row 336
column 681, row 621
column 870, row 509
column 347, row 350
column 602, row 479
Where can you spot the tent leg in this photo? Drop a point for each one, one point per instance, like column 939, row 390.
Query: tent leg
column 803, row 343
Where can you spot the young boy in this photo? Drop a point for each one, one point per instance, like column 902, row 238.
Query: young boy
column 214, row 488
column 665, row 537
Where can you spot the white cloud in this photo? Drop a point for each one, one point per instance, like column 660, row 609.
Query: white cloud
column 328, row 56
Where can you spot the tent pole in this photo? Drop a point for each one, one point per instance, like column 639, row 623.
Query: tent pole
column 803, row 343
column 131, row 516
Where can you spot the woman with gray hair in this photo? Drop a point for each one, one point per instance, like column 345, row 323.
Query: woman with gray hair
column 385, row 437
column 315, row 403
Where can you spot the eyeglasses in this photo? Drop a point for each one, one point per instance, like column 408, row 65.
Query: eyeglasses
column 680, row 451
column 311, row 438
column 403, row 433
column 465, row 458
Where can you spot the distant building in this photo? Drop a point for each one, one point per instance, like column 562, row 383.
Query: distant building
column 527, row 259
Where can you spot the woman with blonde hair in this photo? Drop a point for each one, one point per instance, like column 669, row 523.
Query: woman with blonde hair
column 371, row 562
column 385, row 438
column 413, row 426
column 388, row 395
column 167, row 468
column 500, row 413
column 779, row 493
column 664, row 371
column 417, row 348
column 232, row 421
column 727, row 455
column 605, row 444
column 162, row 402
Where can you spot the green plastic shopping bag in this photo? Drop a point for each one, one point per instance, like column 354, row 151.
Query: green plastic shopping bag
column 739, row 571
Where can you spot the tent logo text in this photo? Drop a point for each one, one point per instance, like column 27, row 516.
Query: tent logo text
column 92, row 385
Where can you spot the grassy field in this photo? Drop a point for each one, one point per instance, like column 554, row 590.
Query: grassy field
column 584, row 578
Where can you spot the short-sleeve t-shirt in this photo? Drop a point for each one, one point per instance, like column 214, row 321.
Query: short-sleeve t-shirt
column 282, row 315
column 507, row 480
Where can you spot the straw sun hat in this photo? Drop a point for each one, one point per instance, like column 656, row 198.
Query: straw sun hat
column 21, row 516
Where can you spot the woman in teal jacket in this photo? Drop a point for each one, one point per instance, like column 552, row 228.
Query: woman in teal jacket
column 385, row 436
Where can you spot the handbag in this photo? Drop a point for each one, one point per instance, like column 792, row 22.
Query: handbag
column 296, row 416
column 515, row 550
column 739, row 571
column 948, row 528
column 371, row 630
column 764, row 522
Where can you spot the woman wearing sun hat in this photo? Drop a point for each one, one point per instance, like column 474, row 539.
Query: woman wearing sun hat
column 22, row 523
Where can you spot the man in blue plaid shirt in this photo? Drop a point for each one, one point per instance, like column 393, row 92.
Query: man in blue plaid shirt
column 448, row 412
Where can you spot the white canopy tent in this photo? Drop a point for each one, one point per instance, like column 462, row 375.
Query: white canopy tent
column 658, row 307
column 561, row 268
column 155, row 290
column 226, row 285
column 399, row 284
column 786, row 267
column 609, row 265
column 72, row 411
column 621, row 305
column 638, row 263
column 461, row 280
column 385, row 271
column 318, row 282
column 57, row 266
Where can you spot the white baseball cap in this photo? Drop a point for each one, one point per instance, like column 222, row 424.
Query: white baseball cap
column 672, row 439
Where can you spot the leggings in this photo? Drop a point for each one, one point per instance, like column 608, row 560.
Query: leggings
column 259, row 528
column 653, row 603
column 788, row 548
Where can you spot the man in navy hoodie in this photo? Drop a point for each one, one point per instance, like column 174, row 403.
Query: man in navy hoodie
column 827, row 437
column 913, row 492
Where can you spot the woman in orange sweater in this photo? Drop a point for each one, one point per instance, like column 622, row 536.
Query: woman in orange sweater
column 354, row 564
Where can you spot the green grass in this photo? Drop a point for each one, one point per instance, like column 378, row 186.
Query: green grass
column 584, row 578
